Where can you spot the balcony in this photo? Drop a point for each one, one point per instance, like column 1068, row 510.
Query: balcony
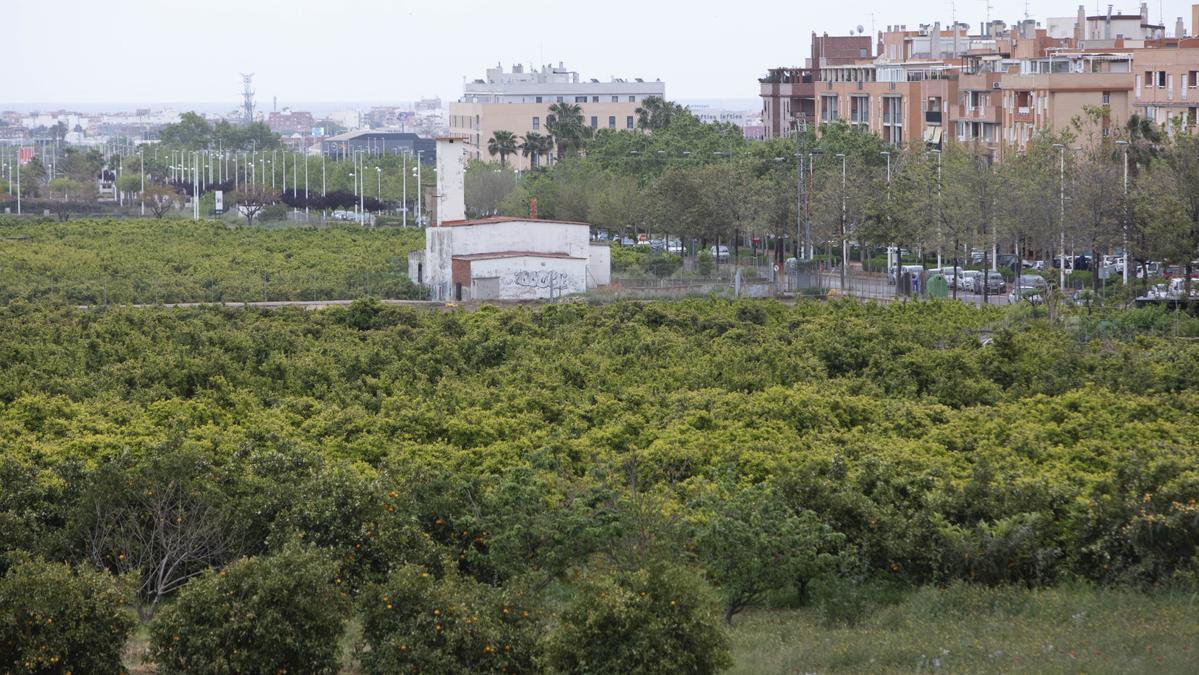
column 978, row 113
column 1023, row 114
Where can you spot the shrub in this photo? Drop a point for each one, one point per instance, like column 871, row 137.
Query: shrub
column 416, row 622
column 260, row 615
column 57, row 619
column 654, row 620
column 704, row 264
column 664, row 265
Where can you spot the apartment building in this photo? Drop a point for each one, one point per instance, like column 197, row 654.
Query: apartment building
column 788, row 94
column 519, row 101
column 1049, row 92
column 1166, row 85
column 1001, row 86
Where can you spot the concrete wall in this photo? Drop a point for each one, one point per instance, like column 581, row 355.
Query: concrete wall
column 451, row 180
column 533, row 236
column 599, row 266
column 530, row 278
column 438, row 257
column 416, row 263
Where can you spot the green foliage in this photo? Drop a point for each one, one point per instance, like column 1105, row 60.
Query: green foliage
column 264, row 615
column 55, row 619
column 193, row 132
column 750, row 542
column 418, row 622
column 657, row 619
column 99, row 261
column 850, row 448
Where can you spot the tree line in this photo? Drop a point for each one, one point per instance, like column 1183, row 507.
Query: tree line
column 709, row 183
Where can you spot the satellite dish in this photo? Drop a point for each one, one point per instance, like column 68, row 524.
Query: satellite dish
column 860, row 29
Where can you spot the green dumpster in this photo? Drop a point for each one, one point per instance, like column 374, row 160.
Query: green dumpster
column 938, row 287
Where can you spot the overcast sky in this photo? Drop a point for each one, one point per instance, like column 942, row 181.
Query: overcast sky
column 158, row 51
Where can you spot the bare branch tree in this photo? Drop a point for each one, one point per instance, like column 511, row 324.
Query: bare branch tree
column 252, row 199
column 161, row 198
column 157, row 520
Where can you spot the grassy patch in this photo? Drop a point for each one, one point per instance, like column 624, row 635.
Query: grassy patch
column 969, row 629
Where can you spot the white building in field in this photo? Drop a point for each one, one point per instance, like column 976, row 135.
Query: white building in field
column 501, row 258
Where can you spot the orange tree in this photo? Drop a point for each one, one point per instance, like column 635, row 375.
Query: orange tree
column 282, row 613
column 55, row 619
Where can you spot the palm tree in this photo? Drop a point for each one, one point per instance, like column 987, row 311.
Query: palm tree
column 534, row 146
column 565, row 124
column 502, row 143
column 657, row 113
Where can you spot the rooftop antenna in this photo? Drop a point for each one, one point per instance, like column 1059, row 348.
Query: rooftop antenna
column 1026, row 14
column 988, row 5
column 248, row 97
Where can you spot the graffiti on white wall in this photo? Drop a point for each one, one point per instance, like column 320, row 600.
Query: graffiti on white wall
column 551, row 279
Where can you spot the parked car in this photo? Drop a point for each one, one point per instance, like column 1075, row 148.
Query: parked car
column 1033, row 281
column 995, row 283
column 904, row 269
column 674, row 246
column 970, row 281
column 1155, row 269
column 1178, row 288
column 1031, row 295
column 628, row 241
column 721, row 254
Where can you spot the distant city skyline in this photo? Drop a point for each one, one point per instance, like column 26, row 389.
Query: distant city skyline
column 150, row 53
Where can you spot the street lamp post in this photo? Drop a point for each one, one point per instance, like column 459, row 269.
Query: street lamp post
column 404, row 206
column 1123, row 145
column 892, row 251
column 419, row 219
column 141, row 164
column 844, row 213
column 1061, row 218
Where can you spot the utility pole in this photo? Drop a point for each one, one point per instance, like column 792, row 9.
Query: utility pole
column 1061, row 219
column 141, row 164
column 801, row 195
column 405, row 200
column 844, row 213
column 419, row 220
column 891, row 250
column 196, row 186
column 1124, row 146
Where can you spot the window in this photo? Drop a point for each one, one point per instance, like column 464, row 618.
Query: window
column 536, row 123
column 1159, row 78
column 594, row 122
column 559, row 99
column 539, row 99
column 859, row 110
column 1107, row 98
column 628, row 122
column 580, row 99
column 616, row 99
column 611, row 121
column 595, row 99
column 828, row 108
column 632, row 99
column 1193, row 78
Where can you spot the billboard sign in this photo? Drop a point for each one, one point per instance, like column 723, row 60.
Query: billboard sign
column 220, row 201
column 25, row 154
